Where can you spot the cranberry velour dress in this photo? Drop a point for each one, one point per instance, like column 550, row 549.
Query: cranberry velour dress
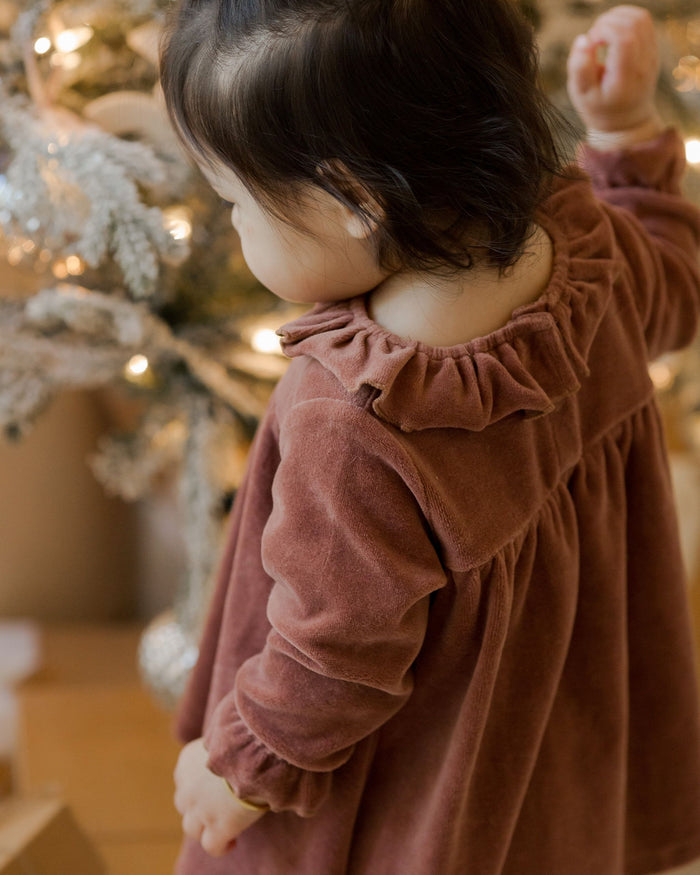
column 451, row 633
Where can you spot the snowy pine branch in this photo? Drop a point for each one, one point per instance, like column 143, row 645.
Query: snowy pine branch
column 78, row 187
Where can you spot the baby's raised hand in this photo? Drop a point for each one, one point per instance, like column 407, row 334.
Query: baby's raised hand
column 613, row 70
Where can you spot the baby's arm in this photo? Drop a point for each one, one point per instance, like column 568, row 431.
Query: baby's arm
column 636, row 167
column 613, row 71
column 353, row 567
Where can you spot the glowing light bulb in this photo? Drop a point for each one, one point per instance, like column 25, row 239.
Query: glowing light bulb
column 15, row 255
column 662, row 375
column 59, row 270
column 42, row 45
column 178, row 222
column 75, row 265
column 136, row 366
column 265, row 340
column 71, row 61
column 70, row 40
column 692, row 151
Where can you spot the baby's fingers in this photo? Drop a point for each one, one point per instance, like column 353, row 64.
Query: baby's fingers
column 584, row 69
column 192, row 826
column 631, row 62
column 215, row 841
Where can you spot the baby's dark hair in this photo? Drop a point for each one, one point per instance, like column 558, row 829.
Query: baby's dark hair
column 422, row 116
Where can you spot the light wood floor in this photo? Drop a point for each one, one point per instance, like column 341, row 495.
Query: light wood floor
column 90, row 734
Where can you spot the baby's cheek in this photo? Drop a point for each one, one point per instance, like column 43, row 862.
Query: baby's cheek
column 264, row 264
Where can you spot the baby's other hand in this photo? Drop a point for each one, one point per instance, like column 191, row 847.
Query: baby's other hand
column 210, row 813
column 612, row 74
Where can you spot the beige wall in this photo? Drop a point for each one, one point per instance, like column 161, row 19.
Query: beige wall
column 66, row 550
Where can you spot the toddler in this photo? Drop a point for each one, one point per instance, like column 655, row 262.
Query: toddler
column 450, row 634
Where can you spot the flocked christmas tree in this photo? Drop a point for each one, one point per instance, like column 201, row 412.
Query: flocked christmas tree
column 121, row 269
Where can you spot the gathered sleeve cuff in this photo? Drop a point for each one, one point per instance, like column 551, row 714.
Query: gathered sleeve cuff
column 255, row 772
column 353, row 564
column 657, row 164
column 657, row 231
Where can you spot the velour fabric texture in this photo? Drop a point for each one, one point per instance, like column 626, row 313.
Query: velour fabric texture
column 451, row 631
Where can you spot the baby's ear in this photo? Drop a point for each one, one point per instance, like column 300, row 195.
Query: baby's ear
column 361, row 214
column 361, row 225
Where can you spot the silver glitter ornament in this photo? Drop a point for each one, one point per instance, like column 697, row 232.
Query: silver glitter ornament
column 167, row 654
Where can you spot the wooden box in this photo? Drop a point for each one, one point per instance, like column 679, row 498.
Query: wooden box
column 42, row 837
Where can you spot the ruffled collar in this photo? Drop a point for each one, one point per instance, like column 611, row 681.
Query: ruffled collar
column 529, row 366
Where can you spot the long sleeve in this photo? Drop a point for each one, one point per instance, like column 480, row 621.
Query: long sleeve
column 353, row 567
column 658, row 234
column 192, row 708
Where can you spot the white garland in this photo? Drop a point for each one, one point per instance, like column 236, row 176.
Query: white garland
column 69, row 337
column 77, row 187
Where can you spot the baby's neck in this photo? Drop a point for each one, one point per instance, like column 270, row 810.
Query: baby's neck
column 455, row 310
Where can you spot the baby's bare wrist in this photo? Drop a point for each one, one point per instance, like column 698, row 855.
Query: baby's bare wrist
column 610, row 140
